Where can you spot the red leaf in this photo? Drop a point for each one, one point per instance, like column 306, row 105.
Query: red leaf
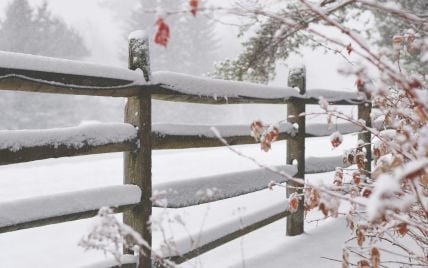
column 360, row 84
column 375, row 257
column 256, row 129
column 360, row 236
column 356, row 177
column 349, row 48
column 194, row 6
column 365, row 192
column 336, row 139
column 293, row 202
column 363, row 264
column 402, row 229
column 162, row 33
column 415, row 84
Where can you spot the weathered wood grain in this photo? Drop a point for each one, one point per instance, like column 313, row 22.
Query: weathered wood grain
column 364, row 111
column 161, row 92
column 296, row 148
column 27, row 154
column 138, row 163
column 59, row 219
column 58, row 83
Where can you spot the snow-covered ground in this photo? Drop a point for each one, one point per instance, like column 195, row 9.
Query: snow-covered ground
column 55, row 245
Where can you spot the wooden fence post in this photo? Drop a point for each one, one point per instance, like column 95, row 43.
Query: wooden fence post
column 364, row 111
column 296, row 147
column 138, row 163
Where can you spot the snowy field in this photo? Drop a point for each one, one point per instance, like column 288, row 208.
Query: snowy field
column 56, row 245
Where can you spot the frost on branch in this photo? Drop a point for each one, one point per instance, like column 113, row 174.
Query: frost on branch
column 265, row 135
column 323, row 103
column 391, row 199
column 109, row 235
column 386, row 187
column 336, row 139
column 379, row 149
column 312, row 198
column 329, row 205
column 338, row 177
column 356, row 177
column 256, row 129
column 269, row 136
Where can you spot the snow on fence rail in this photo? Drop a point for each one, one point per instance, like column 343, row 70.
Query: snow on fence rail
column 28, row 145
column 187, row 88
column 43, row 210
column 195, row 191
column 44, row 74
column 57, row 208
column 139, row 136
column 18, row 146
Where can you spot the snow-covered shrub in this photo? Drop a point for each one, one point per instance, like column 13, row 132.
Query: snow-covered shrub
column 388, row 206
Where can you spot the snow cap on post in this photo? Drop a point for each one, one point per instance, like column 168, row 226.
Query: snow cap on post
column 139, row 53
column 138, row 34
column 297, row 78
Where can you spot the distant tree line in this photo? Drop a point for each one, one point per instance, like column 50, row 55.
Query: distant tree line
column 35, row 30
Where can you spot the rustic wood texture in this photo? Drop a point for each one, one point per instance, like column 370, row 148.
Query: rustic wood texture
column 46, row 82
column 60, row 83
column 161, row 92
column 364, row 111
column 138, row 163
column 126, row 265
column 27, row 154
column 296, row 148
column 159, row 140
column 59, row 219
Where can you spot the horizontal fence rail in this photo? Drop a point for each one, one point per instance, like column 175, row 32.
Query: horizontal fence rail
column 178, row 194
column 62, row 207
column 17, row 146
column 50, row 75
column 187, row 88
column 197, row 191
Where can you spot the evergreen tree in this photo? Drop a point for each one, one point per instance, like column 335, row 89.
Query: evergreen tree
column 18, row 28
column 389, row 26
column 272, row 43
column 38, row 32
column 60, row 40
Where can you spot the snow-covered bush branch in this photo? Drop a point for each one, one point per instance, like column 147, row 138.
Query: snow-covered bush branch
column 390, row 204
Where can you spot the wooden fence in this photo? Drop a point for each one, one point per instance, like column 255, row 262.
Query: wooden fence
column 38, row 74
